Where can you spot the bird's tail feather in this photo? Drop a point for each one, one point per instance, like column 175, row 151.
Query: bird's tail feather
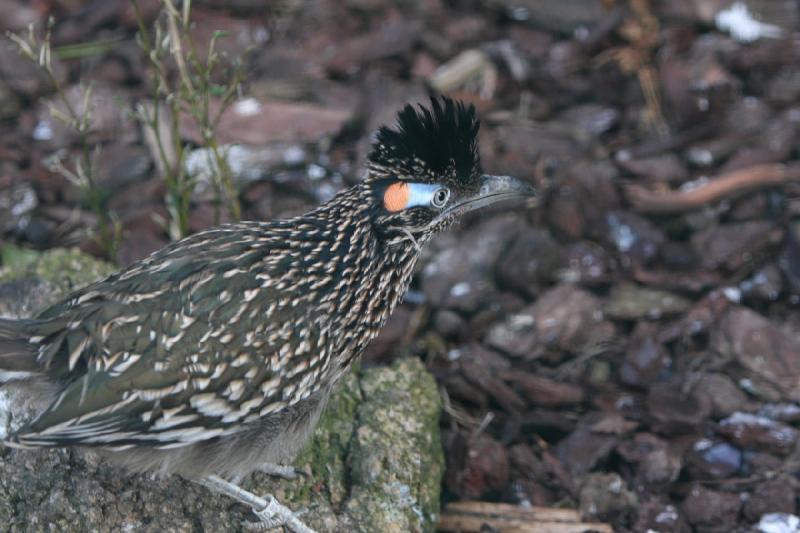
column 18, row 350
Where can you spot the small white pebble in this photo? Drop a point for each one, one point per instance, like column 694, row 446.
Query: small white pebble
column 247, row 107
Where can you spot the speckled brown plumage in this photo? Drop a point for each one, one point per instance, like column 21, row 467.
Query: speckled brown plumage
column 218, row 352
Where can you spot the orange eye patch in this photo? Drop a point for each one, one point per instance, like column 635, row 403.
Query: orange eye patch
column 396, row 197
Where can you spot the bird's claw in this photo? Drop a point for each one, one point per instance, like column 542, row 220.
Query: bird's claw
column 275, row 515
column 284, row 471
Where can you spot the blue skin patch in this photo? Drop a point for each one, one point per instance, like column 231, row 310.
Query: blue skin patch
column 421, row 194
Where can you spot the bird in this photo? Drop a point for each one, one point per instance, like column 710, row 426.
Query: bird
column 215, row 356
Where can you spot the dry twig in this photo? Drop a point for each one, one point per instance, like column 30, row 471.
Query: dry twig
column 728, row 185
column 469, row 516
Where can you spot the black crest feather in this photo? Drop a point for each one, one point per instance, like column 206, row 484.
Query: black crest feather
column 435, row 139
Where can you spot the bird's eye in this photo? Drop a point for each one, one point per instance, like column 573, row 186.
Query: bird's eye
column 440, row 198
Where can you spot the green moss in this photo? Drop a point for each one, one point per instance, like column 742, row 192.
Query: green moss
column 17, row 257
column 376, row 459
column 396, row 486
column 64, row 269
column 325, row 456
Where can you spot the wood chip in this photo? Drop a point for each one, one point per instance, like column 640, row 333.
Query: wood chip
column 469, row 516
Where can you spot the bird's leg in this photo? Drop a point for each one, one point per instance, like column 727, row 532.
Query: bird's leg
column 275, row 470
column 284, row 471
column 270, row 512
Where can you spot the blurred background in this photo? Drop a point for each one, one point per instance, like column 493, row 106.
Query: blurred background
column 630, row 347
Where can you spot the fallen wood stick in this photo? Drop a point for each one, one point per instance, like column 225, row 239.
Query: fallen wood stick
column 471, row 516
column 728, row 185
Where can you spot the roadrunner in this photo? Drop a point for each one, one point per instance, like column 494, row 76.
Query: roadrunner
column 215, row 356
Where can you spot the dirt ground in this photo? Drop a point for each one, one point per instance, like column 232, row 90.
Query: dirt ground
column 630, row 347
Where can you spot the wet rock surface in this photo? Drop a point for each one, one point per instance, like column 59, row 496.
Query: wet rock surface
column 628, row 347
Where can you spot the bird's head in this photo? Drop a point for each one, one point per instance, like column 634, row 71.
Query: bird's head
column 425, row 173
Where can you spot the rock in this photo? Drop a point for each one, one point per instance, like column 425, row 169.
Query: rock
column 632, row 302
column 531, row 260
column 709, row 508
column 18, row 16
column 789, row 259
column 563, row 319
column 394, row 37
column 659, row 463
column 751, row 431
column 467, row 69
column 762, row 463
column 583, row 449
column 732, row 245
column 633, row 236
column 24, row 76
column 674, row 411
column 516, row 147
column 678, row 256
column 592, row 119
column 529, row 475
column 542, row 391
column 714, row 459
column 784, row 88
column 565, row 213
column 395, row 455
column 107, row 108
column 60, row 270
column 570, row 319
column 18, row 200
column 552, row 15
column 587, row 264
column 119, row 165
column 448, row 323
column 773, row 496
column 242, row 34
column 139, row 242
column 779, row 523
column 774, row 145
column 484, row 369
column 481, row 368
column 658, row 516
column 375, row 461
column 769, row 354
column 722, row 393
column 604, row 495
column 258, row 122
column 646, row 360
column 765, row 285
column 784, row 412
column 456, row 276
column 478, row 465
column 579, row 203
column 666, row 167
column 709, row 153
column 517, row 335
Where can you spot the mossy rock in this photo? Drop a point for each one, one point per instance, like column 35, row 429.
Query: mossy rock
column 374, row 464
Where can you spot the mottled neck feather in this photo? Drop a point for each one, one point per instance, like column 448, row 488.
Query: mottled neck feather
column 361, row 276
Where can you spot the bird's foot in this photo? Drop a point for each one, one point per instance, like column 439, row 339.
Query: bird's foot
column 270, row 512
column 276, row 515
column 284, row 471
column 275, row 470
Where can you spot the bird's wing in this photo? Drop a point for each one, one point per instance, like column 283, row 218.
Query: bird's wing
column 175, row 350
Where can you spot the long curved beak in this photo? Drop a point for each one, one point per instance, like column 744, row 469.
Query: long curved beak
column 493, row 189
